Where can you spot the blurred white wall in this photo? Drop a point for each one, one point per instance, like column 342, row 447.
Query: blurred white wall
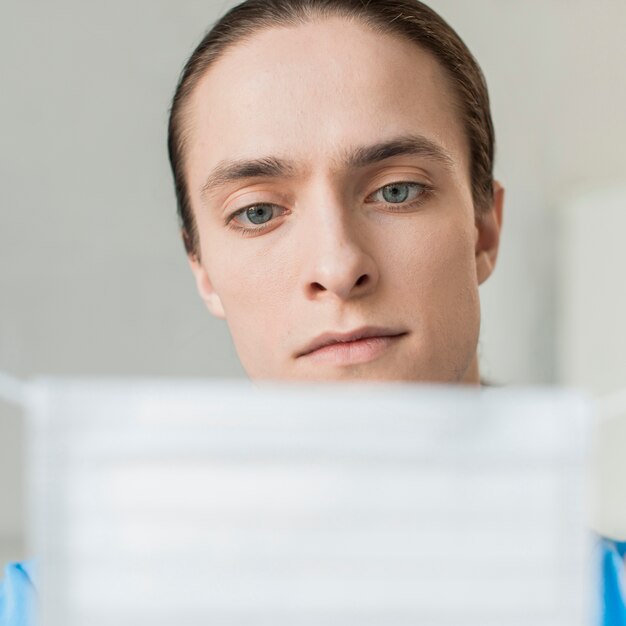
column 592, row 287
column 93, row 278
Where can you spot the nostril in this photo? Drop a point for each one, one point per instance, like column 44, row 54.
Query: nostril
column 317, row 287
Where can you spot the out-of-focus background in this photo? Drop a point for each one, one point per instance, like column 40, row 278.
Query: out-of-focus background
column 93, row 279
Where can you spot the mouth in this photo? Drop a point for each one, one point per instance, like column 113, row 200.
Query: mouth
column 359, row 346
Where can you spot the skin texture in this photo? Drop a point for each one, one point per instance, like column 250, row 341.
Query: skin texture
column 337, row 255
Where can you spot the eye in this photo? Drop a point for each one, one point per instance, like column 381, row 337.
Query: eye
column 397, row 193
column 257, row 214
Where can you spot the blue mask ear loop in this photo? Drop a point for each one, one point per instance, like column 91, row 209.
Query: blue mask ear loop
column 12, row 390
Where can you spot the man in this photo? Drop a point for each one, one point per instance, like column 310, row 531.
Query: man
column 335, row 186
column 333, row 162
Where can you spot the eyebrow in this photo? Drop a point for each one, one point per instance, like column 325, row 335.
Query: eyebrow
column 229, row 171
column 415, row 145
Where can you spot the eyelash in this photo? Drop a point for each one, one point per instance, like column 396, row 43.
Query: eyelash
column 247, row 231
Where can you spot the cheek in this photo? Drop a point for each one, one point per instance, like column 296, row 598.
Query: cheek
column 439, row 279
column 437, row 258
column 247, row 288
column 253, row 290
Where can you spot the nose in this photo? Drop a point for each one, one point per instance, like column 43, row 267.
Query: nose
column 339, row 262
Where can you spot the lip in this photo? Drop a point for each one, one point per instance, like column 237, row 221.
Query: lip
column 357, row 346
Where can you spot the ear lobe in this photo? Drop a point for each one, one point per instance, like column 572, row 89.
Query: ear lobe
column 205, row 288
column 488, row 227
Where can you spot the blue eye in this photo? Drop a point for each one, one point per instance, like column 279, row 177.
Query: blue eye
column 260, row 213
column 397, row 193
column 257, row 214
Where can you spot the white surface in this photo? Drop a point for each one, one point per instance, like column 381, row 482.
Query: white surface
column 163, row 502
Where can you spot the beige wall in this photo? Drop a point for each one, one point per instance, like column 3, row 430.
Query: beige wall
column 92, row 276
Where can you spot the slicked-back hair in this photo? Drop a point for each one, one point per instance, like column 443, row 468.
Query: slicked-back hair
column 410, row 19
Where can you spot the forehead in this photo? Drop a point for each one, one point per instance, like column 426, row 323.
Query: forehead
column 309, row 92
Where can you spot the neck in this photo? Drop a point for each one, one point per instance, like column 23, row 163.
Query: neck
column 472, row 374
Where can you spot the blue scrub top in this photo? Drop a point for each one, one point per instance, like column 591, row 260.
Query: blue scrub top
column 18, row 595
column 613, row 583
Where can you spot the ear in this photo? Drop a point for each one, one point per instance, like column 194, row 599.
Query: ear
column 205, row 288
column 488, row 227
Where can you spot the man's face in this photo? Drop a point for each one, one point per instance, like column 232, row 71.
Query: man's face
column 326, row 240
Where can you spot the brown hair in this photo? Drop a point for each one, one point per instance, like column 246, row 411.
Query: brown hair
column 410, row 19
